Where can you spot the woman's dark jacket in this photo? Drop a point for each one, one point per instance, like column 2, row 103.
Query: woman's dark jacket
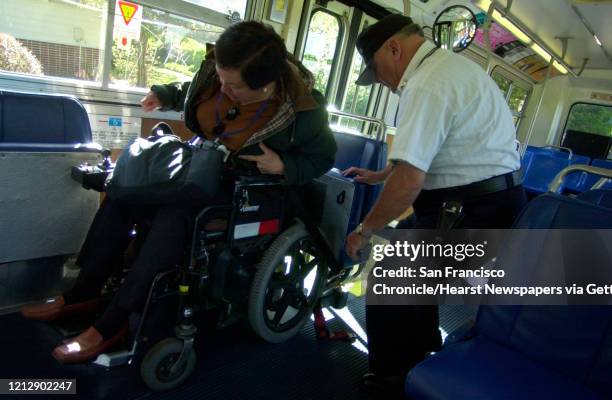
column 299, row 132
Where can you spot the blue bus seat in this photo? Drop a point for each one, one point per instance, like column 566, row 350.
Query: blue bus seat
column 43, row 123
column 541, row 165
column 44, row 212
column 592, row 179
column 528, row 352
column 362, row 152
column 602, row 197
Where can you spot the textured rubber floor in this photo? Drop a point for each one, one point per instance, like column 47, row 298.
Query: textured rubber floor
column 232, row 363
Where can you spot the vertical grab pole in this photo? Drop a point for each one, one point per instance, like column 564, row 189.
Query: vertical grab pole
column 487, row 37
column 108, row 44
column 537, row 110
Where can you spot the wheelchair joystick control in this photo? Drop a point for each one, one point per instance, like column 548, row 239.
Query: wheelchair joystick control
column 93, row 177
column 106, row 160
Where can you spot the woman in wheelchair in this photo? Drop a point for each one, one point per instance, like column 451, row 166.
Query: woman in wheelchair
column 259, row 102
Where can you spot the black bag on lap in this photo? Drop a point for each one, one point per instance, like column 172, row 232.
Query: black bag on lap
column 163, row 169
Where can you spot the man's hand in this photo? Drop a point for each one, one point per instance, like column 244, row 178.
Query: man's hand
column 355, row 242
column 367, row 176
column 150, row 102
column 269, row 162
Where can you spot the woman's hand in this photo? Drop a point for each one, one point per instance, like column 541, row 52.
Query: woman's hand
column 150, row 102
column 363, row 175
column 269, row 162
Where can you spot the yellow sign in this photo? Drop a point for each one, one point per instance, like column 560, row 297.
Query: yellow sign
column 280, row 5
column 127, row 11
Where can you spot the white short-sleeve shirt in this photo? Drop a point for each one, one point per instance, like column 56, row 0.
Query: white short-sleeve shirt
column 453, row 121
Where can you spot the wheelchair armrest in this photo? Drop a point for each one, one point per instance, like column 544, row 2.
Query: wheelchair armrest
column 212, row 212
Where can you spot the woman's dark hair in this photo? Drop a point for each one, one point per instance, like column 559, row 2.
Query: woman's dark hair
column 255, row 49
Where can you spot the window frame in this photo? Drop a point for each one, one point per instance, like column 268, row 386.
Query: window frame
column 337, row 50
column 514, row 82
column 570, row 112
column 179, row 8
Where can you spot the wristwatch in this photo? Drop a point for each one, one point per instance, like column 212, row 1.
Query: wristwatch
column 361, row 231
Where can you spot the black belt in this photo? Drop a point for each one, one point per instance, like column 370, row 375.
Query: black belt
column 480, row 188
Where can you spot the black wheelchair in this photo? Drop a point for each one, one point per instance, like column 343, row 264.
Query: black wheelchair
column 252, row 258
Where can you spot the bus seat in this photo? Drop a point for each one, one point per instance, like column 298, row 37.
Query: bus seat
column 43, row 212
column 34, row 120
column 362, row 152
column 602, row 197
column 541, row 165
column 528, row 352
column 591, row 179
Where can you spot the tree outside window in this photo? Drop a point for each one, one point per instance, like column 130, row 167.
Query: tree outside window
column 320, row 49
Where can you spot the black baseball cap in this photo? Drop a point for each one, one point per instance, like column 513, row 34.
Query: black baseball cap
column 370, row 40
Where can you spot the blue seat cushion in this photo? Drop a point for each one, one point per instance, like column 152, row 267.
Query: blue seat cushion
column 480, row 369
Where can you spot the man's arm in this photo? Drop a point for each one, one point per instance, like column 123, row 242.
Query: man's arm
column 400, row 191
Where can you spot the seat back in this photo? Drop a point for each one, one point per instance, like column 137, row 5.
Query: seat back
column 590, row 180
column 602, row 197
column 41, row 122
column 44, row 212
column 362, row 152
column 573, row 340
column 541, row 165
column 347, row 202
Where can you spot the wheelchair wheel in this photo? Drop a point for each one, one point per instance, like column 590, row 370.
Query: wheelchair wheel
column 289, row 280
column 155, row 367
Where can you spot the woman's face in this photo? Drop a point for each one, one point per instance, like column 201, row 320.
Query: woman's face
column 235, row 88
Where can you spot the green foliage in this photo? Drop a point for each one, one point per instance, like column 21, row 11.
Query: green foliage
column 591, row 118
column 321, row 47
column 170, row 49
column 14, row 57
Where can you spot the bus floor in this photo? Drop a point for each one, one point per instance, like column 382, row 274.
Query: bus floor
column 232, row 362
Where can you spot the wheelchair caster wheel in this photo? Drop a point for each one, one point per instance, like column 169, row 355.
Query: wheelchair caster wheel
column 156, row 367
column 289, row 280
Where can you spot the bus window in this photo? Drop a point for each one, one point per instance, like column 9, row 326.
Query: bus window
column 502, row 82
column 170, row 49
column 517, row 101
column 356, row 98
column 588, row 130
column 321, row 45
column 590, row 118
column 518, row 98
column 223, row 6
column 37, row 39
column 515, row 95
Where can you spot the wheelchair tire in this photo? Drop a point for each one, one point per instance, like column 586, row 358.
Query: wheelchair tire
column 154, row 369
column 284, row 280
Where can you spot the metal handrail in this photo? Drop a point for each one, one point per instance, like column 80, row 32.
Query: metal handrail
column 381, row 135
column 557, row 183
column 571, row 153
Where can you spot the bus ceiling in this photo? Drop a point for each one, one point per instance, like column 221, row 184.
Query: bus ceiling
column 581, row 26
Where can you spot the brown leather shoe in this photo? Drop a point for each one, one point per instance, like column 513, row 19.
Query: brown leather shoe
column 56, row 307
column 88, row 345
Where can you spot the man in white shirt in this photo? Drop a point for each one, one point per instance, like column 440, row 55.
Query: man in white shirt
column 455, row 142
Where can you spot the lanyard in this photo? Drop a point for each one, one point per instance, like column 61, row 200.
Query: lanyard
column 219, row 128
column 429, row 54
column 426, row 56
